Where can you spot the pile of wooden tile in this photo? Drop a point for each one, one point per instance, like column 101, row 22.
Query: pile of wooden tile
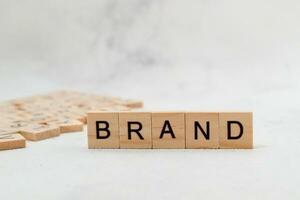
column 45, row 116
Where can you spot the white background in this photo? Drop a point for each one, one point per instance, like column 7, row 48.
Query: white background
column 175, row 55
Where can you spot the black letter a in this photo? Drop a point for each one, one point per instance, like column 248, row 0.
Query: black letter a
column 169, row 130
column 98, row 129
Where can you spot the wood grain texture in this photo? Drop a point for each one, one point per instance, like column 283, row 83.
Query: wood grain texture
column 113, row 141
column 135, row 120
column 209, row 123
column 39, row 132
column 162, row 120
column 230, row 129
column 14, row 141
column 45, row 116
column 67, row 125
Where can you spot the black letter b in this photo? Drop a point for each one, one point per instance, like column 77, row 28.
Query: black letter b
column 98, row 129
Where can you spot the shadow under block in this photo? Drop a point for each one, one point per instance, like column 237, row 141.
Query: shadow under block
column 14, row 141
column 168, row 130
column 103, row 130
column 202, row 130
column 236, row 130
column 135, row 130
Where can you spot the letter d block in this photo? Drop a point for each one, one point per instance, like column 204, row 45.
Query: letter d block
column 236, row 130
column 135, row 130
column 103, row 130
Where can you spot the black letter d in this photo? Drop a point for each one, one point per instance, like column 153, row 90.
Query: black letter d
column 230, row 137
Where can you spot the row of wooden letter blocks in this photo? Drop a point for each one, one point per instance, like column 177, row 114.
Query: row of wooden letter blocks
column 170, row 130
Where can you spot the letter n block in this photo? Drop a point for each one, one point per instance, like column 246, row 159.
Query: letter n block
column 236, row 130
column 135, row 130
column 202, row 130
column 168, row 130
column 103, row 130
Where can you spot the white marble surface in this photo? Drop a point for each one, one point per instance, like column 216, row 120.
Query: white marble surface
column 184, row 55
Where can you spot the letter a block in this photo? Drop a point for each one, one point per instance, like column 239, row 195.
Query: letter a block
column 202, row 130
column 135, row 130
column 168, row 130
column 103, row 130
column 236, row 130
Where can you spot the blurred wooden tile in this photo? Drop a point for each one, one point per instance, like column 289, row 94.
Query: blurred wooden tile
column 168, row 130
column 73, row 116
column 24, row 113
column 236, row 130
column 103, row 130
column 35, row 119
column 202, row 130
column 133, row 104
column 18, row 124
column 135, row 130
column 11, row 141
column 67, row 125
column 40, row 132
column 118, row 108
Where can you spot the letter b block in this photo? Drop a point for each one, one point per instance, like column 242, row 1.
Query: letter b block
column 103, row 130
column 236, row 130
column 135, row 130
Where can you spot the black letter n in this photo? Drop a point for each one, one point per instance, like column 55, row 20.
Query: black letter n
column 205, row 134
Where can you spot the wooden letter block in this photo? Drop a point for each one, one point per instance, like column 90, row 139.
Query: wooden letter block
column 135, row 130
column 202, row 130
column 103, row 130
column 39, row 132
column 168, row 130
column 11, row 141
column 236, row 130
column 67, row 125
column 70, row 125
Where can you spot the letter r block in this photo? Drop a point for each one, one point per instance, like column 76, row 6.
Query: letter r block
column 135, row 130
column 236, row 130
column 109, row 120
column 205, row 136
